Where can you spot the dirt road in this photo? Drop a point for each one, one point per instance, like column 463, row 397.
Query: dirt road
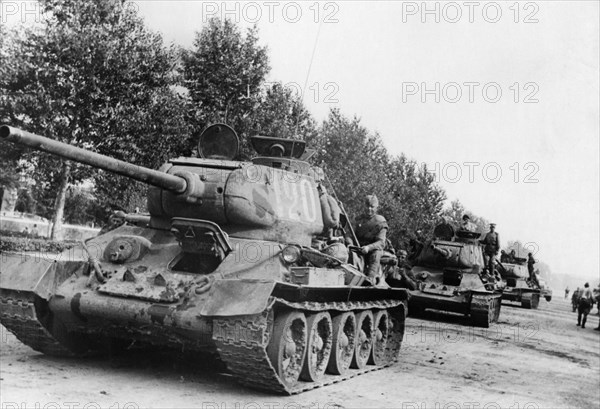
column 531, row 359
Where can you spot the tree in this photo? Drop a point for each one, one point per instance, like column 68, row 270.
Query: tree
column 225, row 73
column 415, row 200
column 344, row 144
column 93, row 76
column 357, row 164
column 282, row 114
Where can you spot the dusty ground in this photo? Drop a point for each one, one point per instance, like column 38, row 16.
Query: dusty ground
column 531, row 359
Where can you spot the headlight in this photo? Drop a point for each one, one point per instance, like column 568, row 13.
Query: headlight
column 290, row 254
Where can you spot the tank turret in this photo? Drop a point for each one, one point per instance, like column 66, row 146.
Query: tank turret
column 272, row 198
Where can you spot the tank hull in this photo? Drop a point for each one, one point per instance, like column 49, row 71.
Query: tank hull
column 482, row 308
column 56, row 307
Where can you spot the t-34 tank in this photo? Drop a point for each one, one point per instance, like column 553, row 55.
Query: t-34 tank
column 519, row 287
column 450, row 276
column 229, row 260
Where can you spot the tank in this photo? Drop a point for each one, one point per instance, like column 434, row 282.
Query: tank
column 234, row 257
column 449, row 275
column 518, row 286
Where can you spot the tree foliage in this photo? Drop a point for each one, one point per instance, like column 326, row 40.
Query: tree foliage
column 224, row 74
column 357, row 164
column 94, row 76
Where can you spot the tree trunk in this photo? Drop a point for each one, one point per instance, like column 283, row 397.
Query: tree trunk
column 59, row 204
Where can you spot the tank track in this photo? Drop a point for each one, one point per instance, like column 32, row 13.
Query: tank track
column 242, row 344
column 485, row 309
column 20, row 316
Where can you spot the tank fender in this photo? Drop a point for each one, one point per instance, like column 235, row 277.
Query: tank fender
column 237, row 297
column 40, row 275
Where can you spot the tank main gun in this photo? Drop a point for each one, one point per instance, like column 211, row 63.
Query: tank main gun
column 152, row 177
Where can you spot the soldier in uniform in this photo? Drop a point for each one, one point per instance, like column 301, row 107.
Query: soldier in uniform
column 403, row 276
column 466, row 224
column 530, row 263
column 491, row 241
column 575, row 299
column 586, row 302
column 371, row 231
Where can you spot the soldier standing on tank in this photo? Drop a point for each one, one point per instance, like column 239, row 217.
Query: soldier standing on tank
column 491, row 241
column 371, row 231
column 530, row 263
column 586, row 302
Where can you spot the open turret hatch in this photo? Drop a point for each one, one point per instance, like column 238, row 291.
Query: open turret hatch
column 278, row 147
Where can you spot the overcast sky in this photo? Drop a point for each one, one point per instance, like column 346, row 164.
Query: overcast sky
column 501, row 98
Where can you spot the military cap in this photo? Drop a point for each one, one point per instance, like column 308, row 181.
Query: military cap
column 466, row 217
column 492, row 224
column 403, row 253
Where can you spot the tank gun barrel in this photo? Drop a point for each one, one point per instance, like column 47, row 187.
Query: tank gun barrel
column 153, row 177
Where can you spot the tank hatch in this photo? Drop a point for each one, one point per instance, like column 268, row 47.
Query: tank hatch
column 278, row 147
column 218, row 141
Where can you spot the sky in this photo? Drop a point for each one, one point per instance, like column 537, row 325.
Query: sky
column 500, row 99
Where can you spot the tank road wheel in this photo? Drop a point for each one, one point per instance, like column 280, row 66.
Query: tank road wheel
column 364, row 339
column 381, row 334
column 287, row 347
column 344, row 340
column 319, row 346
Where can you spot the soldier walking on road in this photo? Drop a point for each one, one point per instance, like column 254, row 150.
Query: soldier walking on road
column 492, row 246
column 575, row 299
column 586, row 301
column 567, row 292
